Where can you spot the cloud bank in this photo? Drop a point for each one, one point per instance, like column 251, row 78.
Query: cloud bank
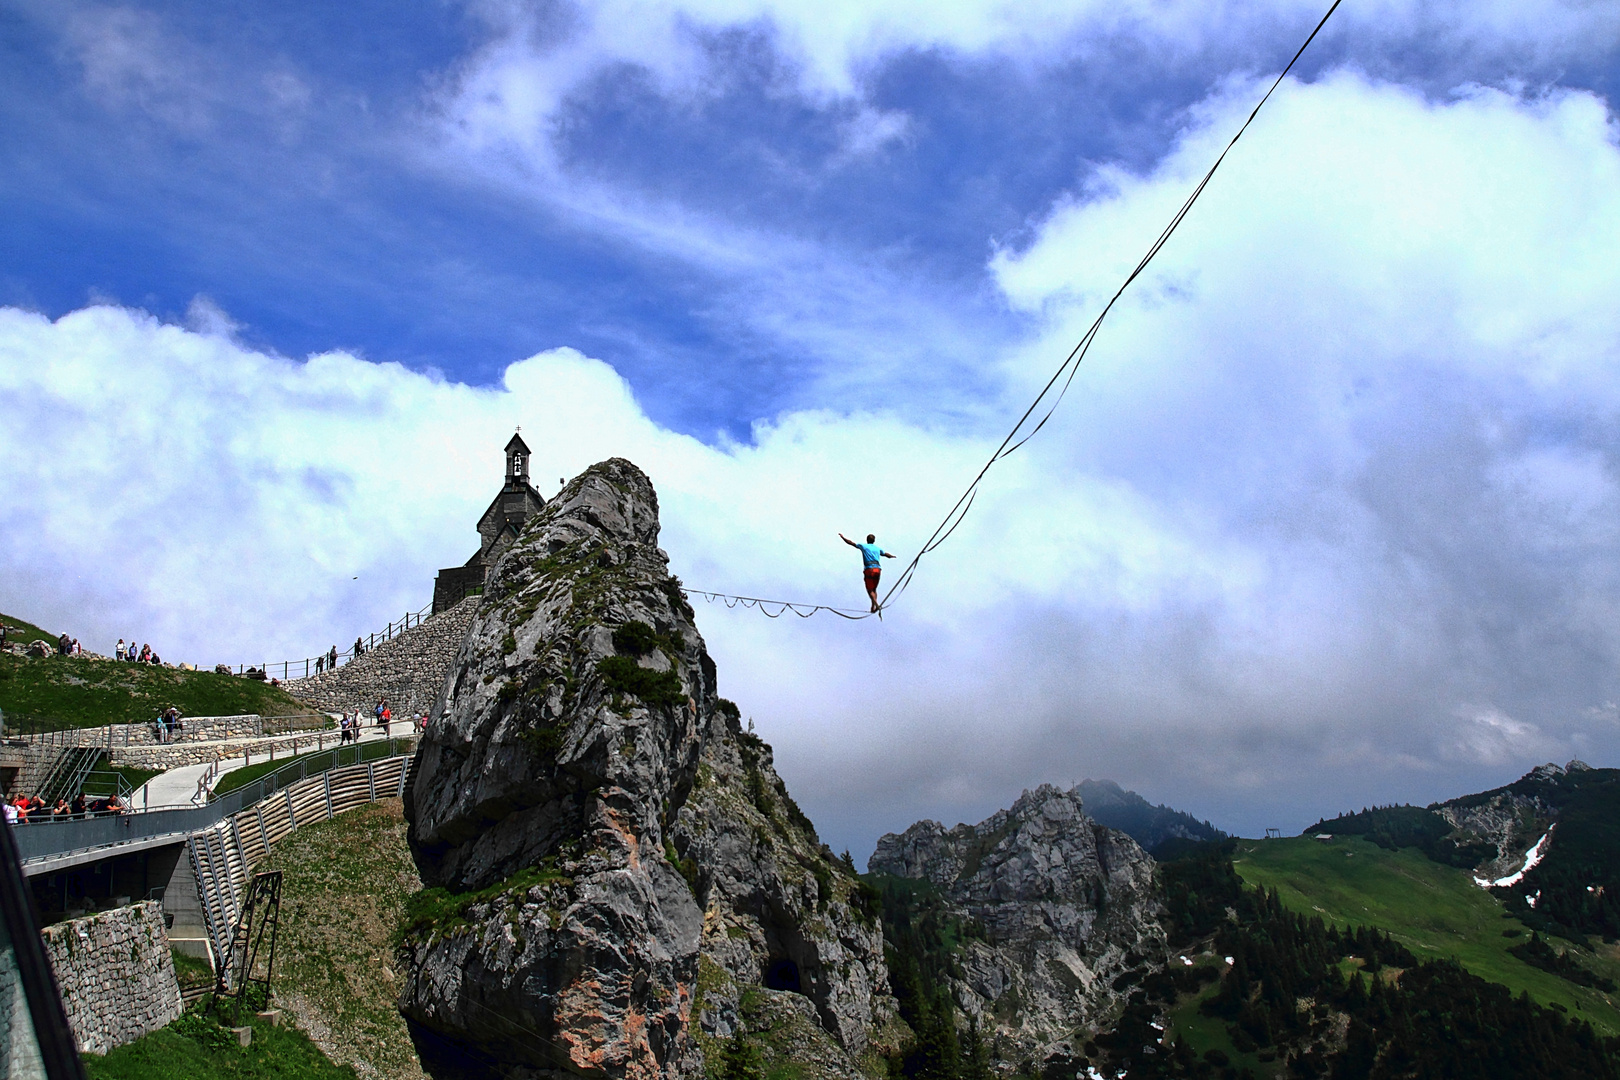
column 1329, row 517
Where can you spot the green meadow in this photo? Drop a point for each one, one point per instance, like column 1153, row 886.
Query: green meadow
column 1436, row 911
column 77, row 691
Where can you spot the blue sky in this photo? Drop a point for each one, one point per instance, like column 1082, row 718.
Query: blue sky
column 1328, row 519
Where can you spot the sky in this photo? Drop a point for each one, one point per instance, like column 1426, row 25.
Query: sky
column 1328, row 518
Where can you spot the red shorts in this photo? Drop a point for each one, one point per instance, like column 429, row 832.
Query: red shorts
column 872, row 575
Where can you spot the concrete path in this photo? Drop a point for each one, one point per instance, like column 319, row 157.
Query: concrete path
column 178, row 787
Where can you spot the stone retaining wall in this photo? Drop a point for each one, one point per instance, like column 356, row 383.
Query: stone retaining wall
column 193, row 729
column 19, row 1050
column 116, row 975
column 174, row 756
column 407, row 671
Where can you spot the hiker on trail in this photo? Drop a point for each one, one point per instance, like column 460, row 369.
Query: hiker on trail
column 379, row 710
column 359, row 647
column 387, row 720
column 118, row 653
column 872, row 556
column 331, row 659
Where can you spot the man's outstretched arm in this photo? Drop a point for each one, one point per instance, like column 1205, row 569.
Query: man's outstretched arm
column 847, row 540
column 888, row 555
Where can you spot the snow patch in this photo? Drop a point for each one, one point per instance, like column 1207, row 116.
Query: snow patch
column 1531, row 858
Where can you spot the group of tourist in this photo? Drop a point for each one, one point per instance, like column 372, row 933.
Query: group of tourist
column 65, row 646
column 24, row 809
column 327, row 661
column 167, row 723
column 382, row 716
column 143, row 655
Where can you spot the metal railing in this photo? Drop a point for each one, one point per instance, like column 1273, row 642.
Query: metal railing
column 59, row 836
column 306, row 666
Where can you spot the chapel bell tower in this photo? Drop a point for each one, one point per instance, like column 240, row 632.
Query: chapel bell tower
column 516, row 503
column 517, row 462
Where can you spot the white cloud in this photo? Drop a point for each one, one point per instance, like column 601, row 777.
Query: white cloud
column 1340, row 468
column 1489, row 736
column 509, row 94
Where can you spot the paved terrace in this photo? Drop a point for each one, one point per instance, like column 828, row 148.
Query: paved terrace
column 184, row 786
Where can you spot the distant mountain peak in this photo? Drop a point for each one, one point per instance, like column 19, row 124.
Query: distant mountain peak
column 1148, row 824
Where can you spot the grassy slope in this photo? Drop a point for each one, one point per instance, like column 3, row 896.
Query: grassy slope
column 81, row 692
column 342, row 896
column 283, row 1053
column 347, row 755
column 24, row 631
column 1436, row 911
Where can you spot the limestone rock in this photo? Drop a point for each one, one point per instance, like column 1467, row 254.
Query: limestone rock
column 779, row 910
column 576, row 803
column 1065, row 905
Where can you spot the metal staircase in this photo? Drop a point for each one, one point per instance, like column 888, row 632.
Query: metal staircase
column 67, row 775
column 217, row 862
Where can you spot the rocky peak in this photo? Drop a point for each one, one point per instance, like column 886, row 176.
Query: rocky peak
column 574, row 890
column 1066, row 906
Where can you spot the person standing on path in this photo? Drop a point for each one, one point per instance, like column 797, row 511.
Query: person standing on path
column 872, row 556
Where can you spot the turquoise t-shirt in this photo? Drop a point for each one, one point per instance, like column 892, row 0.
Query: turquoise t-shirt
column 872, row 554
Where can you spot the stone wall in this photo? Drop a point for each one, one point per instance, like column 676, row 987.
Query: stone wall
column 193, row 729
column 163, row 758
column 116, row 975
column 407, row 671
column 19, row 1049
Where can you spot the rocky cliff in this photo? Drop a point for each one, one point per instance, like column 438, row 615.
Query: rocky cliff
column 1062, row 907
column 617, row 875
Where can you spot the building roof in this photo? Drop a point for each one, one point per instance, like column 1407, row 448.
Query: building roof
column 517, row 443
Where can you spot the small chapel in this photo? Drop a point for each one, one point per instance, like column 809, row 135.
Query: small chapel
column 500, row 525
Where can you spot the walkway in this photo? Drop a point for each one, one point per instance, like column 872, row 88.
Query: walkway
column 178, row 787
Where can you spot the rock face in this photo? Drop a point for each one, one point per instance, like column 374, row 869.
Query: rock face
column 1510, row 819
column 781, row 911
column 576, row 808
column 1066, row 907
